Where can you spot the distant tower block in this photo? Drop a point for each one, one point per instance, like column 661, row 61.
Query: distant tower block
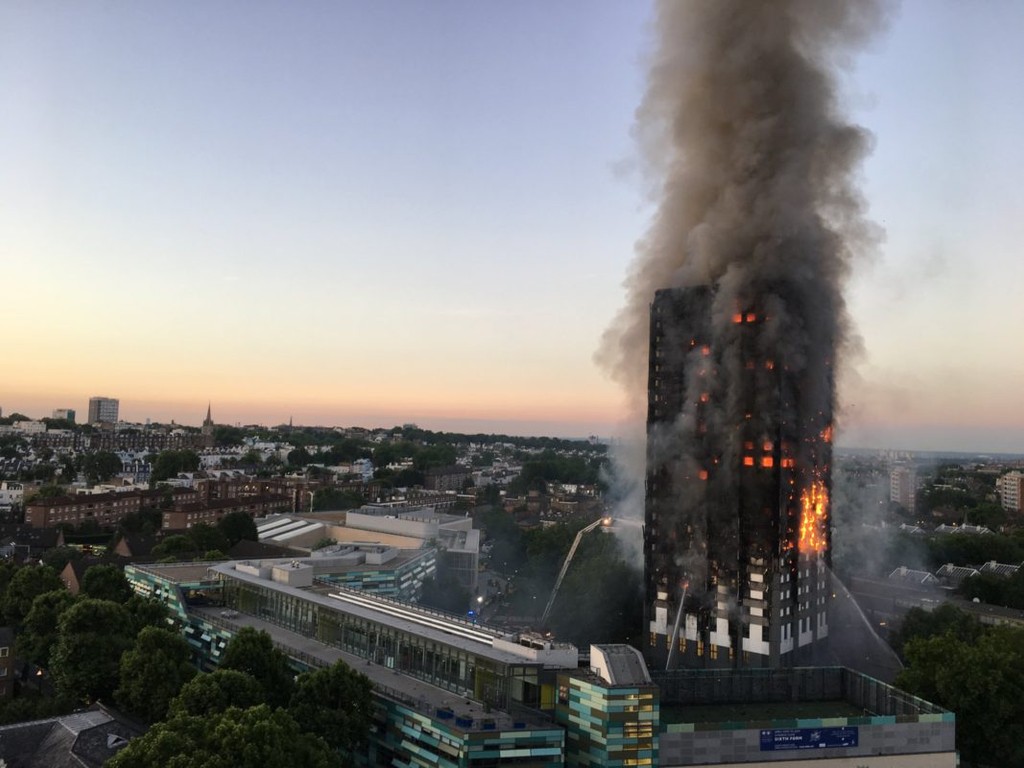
column 103, row 410
column 67, row 414
column 903, row 487
column 737, row 534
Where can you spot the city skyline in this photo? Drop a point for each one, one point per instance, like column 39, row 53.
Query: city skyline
column 368, row 216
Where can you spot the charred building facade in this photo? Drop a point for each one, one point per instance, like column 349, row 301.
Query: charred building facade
column 737, row 534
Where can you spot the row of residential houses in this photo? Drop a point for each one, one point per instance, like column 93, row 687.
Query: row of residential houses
column 181, row 507
column 952, row 576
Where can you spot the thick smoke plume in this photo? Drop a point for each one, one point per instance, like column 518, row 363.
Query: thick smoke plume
column 759, row 220
column 752, row 165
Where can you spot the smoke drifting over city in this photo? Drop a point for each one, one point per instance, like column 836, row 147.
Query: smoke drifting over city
column 753, row 170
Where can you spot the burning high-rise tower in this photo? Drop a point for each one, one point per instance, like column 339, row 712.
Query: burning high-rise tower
column 735, row 312
column 736, row 536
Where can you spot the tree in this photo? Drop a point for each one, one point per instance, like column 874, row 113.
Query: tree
column 509, row 550
column 259, row 737
column 346, row 450
column 43, row 473
column 178, row 544
column 990, row 588
column 491, row 495
column 334, row 499
column 153, row 672
column 205, row 536
column 99, row 466
column 68, row 472
column 215, row 692
column 12, row 446
column 979, row 681
column 58, row 557
column 145, row 612
column 484, row 459
column 27, row 582
column 224, row 435
column 92, row 635
column 965, row 550
column 407, row 478
column 58, row 423
column 146, row 520
column 946, row 619
column 52, row 491
column 389, row 453
column 600, row 599
column 37, row 638
column 300, row 457
column 106, row 582
column 334, row 703
column 7, row 570
column 438, row 455
column 549, row 466
column 237, row 526
column 169, row 463
column 252, row 651
column 251, row 458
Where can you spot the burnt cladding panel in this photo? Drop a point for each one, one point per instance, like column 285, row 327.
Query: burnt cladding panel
column 679, row 335
column 680, row 320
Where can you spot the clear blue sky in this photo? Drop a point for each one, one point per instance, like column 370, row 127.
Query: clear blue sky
column 362, row 213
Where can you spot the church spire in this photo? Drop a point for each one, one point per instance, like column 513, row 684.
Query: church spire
column 208, row 425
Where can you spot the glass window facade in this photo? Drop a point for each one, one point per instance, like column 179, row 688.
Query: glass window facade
column 407, row 732
column 404, row 582
column 413, row 738
column 608, row 726
column 445, row 665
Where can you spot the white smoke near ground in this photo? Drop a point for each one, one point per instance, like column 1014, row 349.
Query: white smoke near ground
column 625, row 479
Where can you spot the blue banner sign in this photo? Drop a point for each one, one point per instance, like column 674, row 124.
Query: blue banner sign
column 807, row 738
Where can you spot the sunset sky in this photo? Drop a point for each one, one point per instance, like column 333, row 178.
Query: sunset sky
column 360, row 213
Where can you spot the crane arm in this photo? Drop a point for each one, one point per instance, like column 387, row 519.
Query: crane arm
column 565, row 567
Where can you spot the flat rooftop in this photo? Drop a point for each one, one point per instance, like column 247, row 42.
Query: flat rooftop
column 180, row 573
column 402, row 557
column 783, row 697
column 446, row 629
column 416, row 694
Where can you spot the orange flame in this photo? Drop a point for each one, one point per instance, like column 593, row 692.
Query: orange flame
column 813, row 516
